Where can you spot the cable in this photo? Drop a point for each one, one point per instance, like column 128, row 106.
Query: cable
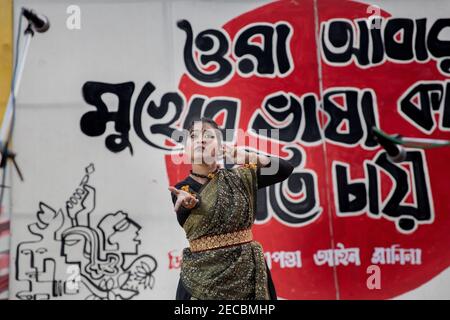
column 13, row 111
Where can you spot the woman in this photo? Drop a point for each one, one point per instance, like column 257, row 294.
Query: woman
column 216, row 207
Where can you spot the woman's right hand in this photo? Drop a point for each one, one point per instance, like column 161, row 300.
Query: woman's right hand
column 184, row 199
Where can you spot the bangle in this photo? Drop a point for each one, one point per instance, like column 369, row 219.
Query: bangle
column 250, row 165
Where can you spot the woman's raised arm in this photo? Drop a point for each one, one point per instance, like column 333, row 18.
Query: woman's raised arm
column 283, row 172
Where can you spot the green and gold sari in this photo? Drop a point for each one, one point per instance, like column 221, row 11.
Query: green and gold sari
column 237, row 272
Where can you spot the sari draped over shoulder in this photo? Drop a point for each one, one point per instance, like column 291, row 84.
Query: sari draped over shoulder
column 237, row 272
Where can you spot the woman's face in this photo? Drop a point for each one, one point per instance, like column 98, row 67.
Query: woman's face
column 203, row 144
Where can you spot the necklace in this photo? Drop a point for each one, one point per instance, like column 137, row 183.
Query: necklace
column 209, row 176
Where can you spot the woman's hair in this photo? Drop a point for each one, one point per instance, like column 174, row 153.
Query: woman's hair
column 209, row 121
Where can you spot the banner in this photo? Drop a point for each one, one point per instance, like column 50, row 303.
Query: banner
column 110, row 85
